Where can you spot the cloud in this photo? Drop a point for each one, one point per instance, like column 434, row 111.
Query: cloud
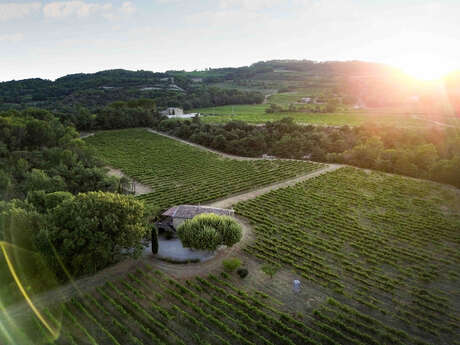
column 251, row 5
column 14, row 10
column 80, row 9
column 12, row 38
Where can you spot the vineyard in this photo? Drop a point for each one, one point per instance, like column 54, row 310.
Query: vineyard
column 148, row 307
column 181, row 174
column 378, row 254
column 387, row 245
column 255, row 114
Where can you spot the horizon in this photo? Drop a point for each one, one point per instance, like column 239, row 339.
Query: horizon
column 50, row 39
column 215, row 67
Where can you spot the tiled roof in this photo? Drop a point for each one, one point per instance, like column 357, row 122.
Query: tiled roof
column 190, row 211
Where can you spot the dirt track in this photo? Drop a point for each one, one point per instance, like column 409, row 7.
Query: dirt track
column 228, row 202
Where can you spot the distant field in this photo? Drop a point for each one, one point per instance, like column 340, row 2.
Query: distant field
column 385, row 244
column 180, row 174
column 256, row 114
column 231, row 85
column 287, row 98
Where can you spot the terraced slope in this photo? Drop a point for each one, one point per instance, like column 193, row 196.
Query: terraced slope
column 180, row 174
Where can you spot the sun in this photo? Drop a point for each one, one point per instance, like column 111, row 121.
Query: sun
column 424, row 67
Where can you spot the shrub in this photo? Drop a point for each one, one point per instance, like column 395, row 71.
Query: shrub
column 242, row 272
column 208, row 231
column 270, row 269
column 231, row 264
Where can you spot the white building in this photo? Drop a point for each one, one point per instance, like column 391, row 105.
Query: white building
column 172, row 111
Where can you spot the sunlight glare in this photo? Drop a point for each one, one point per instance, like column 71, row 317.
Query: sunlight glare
column 424, row 67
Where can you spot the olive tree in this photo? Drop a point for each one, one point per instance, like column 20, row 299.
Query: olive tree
column 208, row 231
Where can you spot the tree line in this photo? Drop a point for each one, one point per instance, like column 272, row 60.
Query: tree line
column 430, row 153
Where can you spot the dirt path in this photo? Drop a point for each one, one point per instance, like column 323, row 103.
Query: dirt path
column 140, row 188
column 228, row 202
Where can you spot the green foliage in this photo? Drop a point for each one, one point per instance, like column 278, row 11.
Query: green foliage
column 242, row 272
column 92, row 231
column 416, row 152
column 154, row 240
column 270, row 269
column 116, row 98
column 199, row 175
column 208, row 231
column 39, row 153
column 231, row 264
column 383, row 241
column 43, row 201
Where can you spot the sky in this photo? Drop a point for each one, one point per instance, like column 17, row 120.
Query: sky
column 49, row 39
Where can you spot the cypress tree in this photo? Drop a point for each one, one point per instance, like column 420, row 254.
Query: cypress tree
column 154, row 240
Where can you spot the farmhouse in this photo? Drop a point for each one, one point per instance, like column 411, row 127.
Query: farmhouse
column 176, row 215
column 172, row 111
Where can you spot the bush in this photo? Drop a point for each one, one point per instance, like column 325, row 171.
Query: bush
column 208, row 231
column 270, row 269
column 242, row 272
column 231, row 264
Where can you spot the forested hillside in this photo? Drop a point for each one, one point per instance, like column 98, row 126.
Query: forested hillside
column 72, row 93
column 364, row 83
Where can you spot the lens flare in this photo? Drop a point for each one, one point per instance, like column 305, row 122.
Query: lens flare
column 39, row 315
column 23, row 317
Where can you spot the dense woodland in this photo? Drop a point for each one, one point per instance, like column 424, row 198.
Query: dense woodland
column 57, row 198
column 431, row 153
column 75, row 93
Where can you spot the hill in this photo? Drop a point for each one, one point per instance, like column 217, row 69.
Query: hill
column 96, row 90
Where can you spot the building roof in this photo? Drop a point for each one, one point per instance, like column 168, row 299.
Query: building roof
column 190, row 211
